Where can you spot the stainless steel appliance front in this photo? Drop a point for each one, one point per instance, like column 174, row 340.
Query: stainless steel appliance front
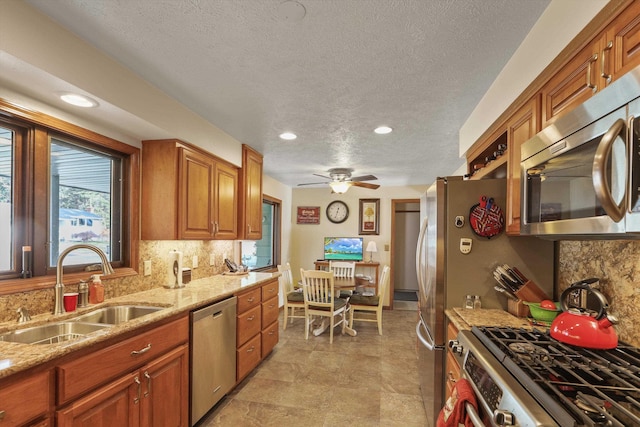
column 578, row 177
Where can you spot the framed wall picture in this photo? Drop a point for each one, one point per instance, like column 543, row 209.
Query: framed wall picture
column 369, row 216
column 308, row 215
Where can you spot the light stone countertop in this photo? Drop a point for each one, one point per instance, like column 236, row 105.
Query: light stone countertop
column 464, row 319
column 17, row 357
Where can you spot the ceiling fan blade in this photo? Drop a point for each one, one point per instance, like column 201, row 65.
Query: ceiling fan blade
column 364, row 178
column 313, row 183
column 322, row 176
column 364, row 184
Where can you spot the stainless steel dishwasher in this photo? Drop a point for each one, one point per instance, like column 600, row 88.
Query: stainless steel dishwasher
column 213, row 355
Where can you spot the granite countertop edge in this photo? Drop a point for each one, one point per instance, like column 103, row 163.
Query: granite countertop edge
column 17, row 357
column 465, row 319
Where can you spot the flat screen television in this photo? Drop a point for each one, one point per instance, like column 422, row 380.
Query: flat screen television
column 343, row 248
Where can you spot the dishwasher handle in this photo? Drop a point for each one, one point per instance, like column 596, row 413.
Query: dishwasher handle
column 215, row 309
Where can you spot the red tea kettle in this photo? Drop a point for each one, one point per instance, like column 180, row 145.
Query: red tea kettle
column 583, row 327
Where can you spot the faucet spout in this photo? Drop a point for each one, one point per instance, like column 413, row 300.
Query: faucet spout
column 59, row 287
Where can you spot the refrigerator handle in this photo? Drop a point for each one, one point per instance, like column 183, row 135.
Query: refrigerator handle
column 429, row 341
column 419, row 252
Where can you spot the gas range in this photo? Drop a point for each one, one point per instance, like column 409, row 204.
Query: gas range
column 526, row 378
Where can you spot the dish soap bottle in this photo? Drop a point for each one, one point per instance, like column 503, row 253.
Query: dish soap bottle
column 96, row 290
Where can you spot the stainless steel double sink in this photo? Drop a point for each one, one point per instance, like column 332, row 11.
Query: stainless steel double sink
column 80, row 326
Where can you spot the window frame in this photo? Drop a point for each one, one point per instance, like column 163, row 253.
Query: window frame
column 277, row 233
column 33, row 205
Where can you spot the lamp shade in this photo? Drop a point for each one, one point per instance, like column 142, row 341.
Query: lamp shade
column 371, row 247
column 340, row 187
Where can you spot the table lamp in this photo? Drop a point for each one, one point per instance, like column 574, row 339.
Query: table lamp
column 371, row 248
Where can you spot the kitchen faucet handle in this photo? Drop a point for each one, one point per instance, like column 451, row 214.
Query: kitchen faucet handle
column 23, row 315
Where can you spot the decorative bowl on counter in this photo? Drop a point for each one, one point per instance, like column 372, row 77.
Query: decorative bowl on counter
column 543, row 314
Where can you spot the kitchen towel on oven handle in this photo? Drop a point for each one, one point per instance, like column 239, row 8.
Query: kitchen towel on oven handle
column 486, row 218
column 454, row 412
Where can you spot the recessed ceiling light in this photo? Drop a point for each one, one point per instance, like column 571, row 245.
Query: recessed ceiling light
column 382, row 130
column 79, row 100
column 288, row 136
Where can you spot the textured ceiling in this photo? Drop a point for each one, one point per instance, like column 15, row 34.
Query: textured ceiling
column 419, row 66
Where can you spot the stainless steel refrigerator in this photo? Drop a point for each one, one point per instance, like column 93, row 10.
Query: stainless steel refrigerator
column 446, row 274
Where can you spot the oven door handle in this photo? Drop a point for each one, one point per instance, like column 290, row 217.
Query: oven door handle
column 475, row 418
column 601, row 183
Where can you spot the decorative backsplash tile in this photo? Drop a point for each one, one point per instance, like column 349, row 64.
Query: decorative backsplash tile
column 39, row 302
column 617, row 264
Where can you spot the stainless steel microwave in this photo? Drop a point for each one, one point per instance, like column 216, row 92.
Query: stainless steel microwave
column 580, row 175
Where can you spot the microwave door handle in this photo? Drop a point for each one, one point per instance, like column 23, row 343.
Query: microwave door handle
column 600, row 180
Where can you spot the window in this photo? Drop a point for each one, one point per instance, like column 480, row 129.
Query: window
column 264, row 254
column 61, row 185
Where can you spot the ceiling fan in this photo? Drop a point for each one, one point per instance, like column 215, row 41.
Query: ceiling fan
column 341, row 180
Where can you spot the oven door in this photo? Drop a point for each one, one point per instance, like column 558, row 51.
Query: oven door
column 577, row 185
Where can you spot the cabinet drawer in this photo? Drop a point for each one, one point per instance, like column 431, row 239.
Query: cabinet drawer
column 92, row 370
column 270, row 311
column 249, row 355
column 269, row 338
column 25, row 399
column 452, row 332
column 269, row 290
column 248, row 325
column 453, row 373
column 248, row 299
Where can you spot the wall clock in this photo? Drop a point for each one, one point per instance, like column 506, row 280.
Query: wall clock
column 337, row 212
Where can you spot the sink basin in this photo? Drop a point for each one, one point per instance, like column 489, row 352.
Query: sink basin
column 52, row 333
column 117, row 314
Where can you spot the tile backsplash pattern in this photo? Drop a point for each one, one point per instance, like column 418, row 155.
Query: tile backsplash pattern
column 39, row 302
column 617, row 264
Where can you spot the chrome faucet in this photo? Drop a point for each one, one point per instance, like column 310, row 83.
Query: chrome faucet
column 59, row 288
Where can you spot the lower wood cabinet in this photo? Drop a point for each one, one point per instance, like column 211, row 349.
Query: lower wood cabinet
column 27, row 401
column 452, row 368
column 257, row 326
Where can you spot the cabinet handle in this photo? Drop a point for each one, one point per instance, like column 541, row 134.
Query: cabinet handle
column 2, row 415
column 215, row 227
column 148, row 377
column 593, row 59
column 250, row 350
column 144, row 350
column 137, row 399
column 249, row 227
column 251, row 318
column 451, row 378
column 603, row 61
column 250, row 299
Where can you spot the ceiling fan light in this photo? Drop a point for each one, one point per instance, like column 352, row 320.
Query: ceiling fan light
column 340, row 187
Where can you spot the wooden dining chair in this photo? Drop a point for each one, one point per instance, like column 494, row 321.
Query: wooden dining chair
column 319, row 291
column 293, row 300
column 367, row 305
column 344, row 269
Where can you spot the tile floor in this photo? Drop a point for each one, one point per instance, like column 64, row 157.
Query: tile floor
column 367, row 380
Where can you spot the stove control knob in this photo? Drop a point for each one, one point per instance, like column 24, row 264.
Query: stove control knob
column 455, row 346
column 503, row 418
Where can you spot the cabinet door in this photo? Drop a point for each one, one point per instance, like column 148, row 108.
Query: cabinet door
column 25, row 399
column 195, row 200
column 226, row 202
column 252, row 194
column 622, row 49
column 248, row 357
column 116, row 404
column 165, row 390
column 248, row 325
column 576, row 82
column 521, row 127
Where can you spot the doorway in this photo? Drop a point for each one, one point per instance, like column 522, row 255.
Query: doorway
column 405, row 223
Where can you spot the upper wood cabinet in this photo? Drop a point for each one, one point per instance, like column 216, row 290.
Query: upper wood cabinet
column 523, row 125
column 251, row 195
column 609, row 55
column 187, row 194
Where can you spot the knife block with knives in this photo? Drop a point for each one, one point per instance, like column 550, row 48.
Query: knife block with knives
column 518, row 289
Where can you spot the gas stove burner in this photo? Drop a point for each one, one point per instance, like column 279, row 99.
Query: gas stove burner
column 592, row 406
column 528, row 351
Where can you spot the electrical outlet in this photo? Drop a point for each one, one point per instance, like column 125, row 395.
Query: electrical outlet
column 212, row 259
column 147, row 268
column 194, row 263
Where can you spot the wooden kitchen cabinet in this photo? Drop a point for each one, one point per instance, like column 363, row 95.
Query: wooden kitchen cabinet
column 609, row 55
column 187, row 193
column 140, row 381
column 452, row 368
column 250, row 227
column 522, row 126
column 27, row 401
column 256, row 327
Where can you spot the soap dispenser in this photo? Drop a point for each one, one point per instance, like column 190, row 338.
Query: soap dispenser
column 96, row 290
